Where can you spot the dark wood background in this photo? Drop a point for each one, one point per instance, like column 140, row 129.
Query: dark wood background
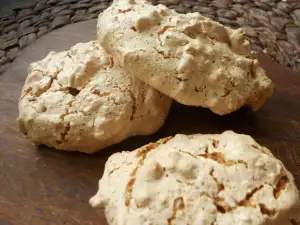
column 44, row 186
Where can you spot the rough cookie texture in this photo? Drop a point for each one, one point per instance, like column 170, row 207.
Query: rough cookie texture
column 199, row 179
column 82, row 100
column 188, row 57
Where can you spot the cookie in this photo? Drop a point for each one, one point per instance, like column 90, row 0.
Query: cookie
column 188, row 57
column 81, row 100
column 198, row 179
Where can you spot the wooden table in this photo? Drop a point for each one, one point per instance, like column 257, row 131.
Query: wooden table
column 43, row 186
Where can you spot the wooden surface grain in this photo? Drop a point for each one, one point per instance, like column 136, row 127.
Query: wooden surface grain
column 44, row 186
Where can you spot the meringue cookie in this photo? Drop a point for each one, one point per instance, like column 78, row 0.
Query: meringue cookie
column 198, row 179
column 188, row 57
column 81, row 100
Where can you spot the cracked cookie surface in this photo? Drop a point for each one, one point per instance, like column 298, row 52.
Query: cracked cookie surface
column 198, row 179
column 81, row 100
column 188, row 57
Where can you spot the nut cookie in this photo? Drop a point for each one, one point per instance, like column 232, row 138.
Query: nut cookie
column 188, row 57
column 198, row 179
column 82, row 100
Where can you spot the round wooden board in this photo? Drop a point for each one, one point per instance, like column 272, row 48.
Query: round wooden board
column 44, row 186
